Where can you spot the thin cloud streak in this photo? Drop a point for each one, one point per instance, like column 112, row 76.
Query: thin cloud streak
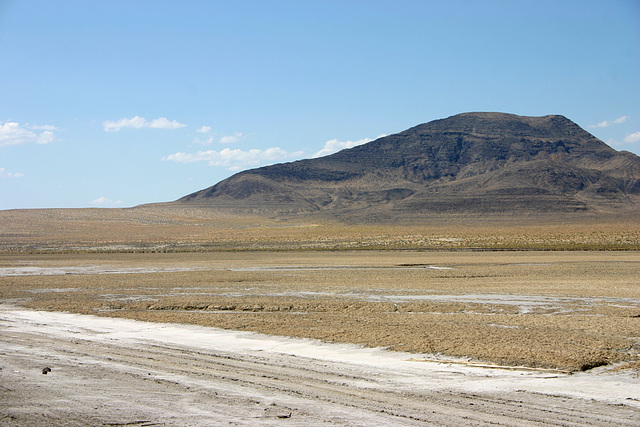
column 606, row 123
column 333, row 146
column 632, row 138
column 105, row 202
column 138, row 122
column 210, row 136
column 5, row 174
column 231, row 139
column 234, row 159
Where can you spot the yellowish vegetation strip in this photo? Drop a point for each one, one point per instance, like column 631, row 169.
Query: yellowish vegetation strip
column 550, row 310
column 165, row 229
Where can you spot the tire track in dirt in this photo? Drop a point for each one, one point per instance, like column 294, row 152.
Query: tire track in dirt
column 321, row 382
column 98, row 380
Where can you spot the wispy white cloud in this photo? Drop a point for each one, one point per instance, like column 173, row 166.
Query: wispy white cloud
column 5, row 174
column 206, row 140
column 45, row 137
column 104, row 202
column 163, row 123
column 632, row 138
column 333, row 146
column 231, row 139
column 234, row 159
column 45, row 127
column 210, row 136
column 138, row 122
column 606, row 123
column 12, row 133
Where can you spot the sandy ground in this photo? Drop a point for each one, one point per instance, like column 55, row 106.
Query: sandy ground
column 115, row 372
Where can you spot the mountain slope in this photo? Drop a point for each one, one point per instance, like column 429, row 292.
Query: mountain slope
column 468, row 163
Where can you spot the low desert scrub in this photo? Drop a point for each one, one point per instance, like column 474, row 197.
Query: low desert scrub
column 181, row 230
column 561, row 310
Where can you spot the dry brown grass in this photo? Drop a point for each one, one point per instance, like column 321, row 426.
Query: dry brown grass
column 563, row 310
column 176, row 229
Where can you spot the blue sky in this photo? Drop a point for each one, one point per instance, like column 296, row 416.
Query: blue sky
column 119, row 103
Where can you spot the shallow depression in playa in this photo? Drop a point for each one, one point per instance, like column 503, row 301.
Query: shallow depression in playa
column 524, row 302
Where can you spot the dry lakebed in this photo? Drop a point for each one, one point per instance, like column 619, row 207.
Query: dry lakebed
column 320, row 338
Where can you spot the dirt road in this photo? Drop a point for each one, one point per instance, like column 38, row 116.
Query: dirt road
column 115, row 372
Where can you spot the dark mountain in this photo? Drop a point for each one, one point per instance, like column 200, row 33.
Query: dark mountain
column 468, row 163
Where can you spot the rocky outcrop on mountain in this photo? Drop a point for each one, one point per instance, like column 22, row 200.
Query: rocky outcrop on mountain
column 471, row 163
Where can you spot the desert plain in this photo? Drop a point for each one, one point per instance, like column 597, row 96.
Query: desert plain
column 512, row 300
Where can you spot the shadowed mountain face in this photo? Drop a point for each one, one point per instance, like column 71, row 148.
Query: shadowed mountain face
column 468, row 163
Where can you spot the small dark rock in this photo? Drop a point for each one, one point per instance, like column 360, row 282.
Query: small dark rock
column 46, row 370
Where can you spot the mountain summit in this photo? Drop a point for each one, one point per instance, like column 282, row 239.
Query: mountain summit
column 467, row 163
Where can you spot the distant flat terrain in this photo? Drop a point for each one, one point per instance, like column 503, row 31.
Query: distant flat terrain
column 170, row 227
